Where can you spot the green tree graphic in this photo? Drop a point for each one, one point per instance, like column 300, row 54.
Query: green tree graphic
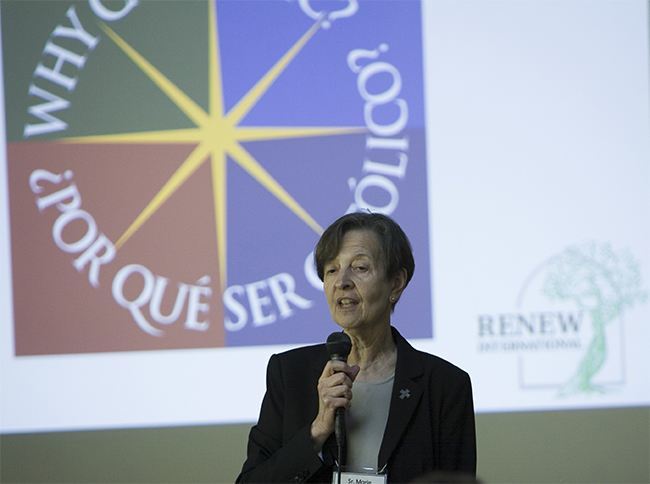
column 603, row 283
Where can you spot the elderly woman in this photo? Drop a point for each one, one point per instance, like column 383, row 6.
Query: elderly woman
column 408, row 412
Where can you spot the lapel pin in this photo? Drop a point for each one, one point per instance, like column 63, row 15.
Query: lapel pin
column 404, row 393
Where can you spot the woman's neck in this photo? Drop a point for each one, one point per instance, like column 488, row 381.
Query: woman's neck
column 375, row 353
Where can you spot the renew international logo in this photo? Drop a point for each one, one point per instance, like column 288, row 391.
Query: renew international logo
column 172, row 164
column 567, row 326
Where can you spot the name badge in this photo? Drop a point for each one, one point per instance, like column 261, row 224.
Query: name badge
column 359, row 478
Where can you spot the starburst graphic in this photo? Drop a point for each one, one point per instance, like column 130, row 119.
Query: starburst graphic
column 217, row 135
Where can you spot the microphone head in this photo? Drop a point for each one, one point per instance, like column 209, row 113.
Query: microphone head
column 338, row 346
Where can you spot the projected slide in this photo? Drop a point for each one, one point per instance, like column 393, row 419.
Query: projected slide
column 167, row 168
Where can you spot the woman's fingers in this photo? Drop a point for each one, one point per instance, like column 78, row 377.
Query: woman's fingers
column 334, row 391
column 334, row 367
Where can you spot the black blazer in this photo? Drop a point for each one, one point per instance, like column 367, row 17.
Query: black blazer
column 430, row 422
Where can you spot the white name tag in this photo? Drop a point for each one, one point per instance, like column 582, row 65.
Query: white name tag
column 359, row 478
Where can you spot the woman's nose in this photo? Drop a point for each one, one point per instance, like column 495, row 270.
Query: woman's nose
column 343, row 280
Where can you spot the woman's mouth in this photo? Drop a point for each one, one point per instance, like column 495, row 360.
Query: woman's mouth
column 346, row 302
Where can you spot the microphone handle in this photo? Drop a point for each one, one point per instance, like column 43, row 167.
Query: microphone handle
column 340, row 434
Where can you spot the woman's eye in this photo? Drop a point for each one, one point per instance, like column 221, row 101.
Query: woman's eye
column 360, row 268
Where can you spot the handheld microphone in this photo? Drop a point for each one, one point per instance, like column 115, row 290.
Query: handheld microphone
column 339, row 346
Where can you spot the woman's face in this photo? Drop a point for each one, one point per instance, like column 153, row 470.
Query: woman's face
column 356, row 286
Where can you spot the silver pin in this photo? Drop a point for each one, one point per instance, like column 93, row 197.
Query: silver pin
column 404, row 393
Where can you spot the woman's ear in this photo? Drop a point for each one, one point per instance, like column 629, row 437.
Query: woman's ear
column 399, row 283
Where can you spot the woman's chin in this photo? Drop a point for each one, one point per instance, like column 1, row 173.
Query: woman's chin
column 347, row 323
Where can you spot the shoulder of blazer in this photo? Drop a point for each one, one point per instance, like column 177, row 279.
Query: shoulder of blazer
column 303, row 354
column 302, row 362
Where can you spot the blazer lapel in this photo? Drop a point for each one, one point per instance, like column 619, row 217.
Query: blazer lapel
column 406, row 394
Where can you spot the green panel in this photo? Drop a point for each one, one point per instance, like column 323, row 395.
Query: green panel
column 172, row 36
column 26, row 27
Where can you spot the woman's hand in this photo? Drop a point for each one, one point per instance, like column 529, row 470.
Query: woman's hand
column 334, row 391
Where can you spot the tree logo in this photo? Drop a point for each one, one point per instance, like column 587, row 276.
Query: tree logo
column 603, row 284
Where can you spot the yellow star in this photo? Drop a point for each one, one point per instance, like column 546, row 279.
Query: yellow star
column 217, row 135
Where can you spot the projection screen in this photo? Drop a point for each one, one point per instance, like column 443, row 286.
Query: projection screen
column 167, row 168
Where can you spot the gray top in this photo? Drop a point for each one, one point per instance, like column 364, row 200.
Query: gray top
column 366, row 422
